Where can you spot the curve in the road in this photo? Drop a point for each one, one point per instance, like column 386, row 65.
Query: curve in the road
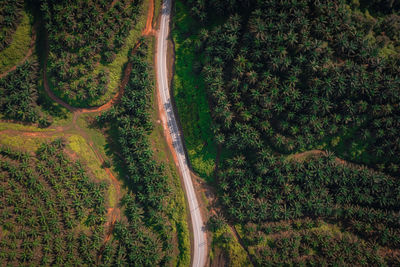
column 200, row 245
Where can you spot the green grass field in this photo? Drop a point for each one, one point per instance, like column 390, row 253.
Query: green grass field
column 190, row 97
column 20, row 127
column 17, row 50
column 25, row 143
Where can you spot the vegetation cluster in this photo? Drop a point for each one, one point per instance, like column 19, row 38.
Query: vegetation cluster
column 52, row 213
column 309, row 243
column 284, row 77
column 19, row 95
column 319, row 78
column 82, row 34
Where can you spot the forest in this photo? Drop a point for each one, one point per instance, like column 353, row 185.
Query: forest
column 81, row 35
column 304, row 97
column 52, row 212
column 19, row 95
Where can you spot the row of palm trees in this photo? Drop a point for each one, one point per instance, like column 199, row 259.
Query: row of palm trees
column 146, row 239
column 295, row 75
column 81, row 35
column 316, row 248
column 278, row 189
column 44, row 199
column 18, row 93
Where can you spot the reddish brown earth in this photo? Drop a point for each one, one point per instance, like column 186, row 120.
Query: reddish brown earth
column 315, row 153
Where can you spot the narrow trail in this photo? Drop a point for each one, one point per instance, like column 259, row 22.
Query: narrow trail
column 241, row 243
column 148, row 30
column 28, row 54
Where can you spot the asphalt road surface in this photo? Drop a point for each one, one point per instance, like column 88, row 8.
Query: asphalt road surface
column 199, row 236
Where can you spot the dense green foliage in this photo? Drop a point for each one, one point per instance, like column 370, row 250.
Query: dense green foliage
column 149, row 188
column 10, row 16
column 289, row 76
column 297, row 79
column 384, row 27
column 18, row 94
column 310, row 243
column 81, row 34
column 364, row 201
column 190, row 96
column 51, row 211
column 384, row 6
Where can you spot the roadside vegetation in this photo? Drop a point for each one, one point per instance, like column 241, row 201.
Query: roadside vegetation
column 190, row 96
column 150, row 189
column 223, row 239
column 176, row 208
column 285, row 77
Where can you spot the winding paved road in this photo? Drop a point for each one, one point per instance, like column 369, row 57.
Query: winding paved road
column 199, row 235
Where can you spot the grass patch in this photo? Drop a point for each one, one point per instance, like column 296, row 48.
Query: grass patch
column 94, row 135
column 190, row 96
column 79, row 145
column 17, row 50
column 21, row 127
column 26, row 143
column 224, row 239
column 157, row 9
